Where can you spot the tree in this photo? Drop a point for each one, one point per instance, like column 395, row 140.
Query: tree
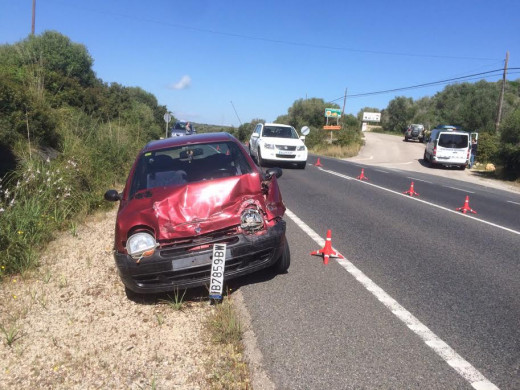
column 399, row 114
column 509, row 148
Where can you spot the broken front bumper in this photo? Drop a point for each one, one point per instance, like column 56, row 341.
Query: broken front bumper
column 182, row 266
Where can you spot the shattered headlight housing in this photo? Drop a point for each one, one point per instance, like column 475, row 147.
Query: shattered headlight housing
column 141, row 245
column 251, row 220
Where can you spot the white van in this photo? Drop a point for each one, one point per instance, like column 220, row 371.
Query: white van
column 448, row 146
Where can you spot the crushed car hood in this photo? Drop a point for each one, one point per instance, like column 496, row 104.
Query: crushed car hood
column 198, row 208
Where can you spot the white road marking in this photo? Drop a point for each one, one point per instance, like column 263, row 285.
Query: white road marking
column 510, row 201
column 379, row 170
column 448, row 354
column 459, row 189
column 425, row 202
column 424, row 181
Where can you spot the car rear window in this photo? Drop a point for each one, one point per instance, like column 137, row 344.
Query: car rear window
column 188, row 164
column 453, row 141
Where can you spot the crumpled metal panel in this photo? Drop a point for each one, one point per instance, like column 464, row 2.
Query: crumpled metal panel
column 199, row 208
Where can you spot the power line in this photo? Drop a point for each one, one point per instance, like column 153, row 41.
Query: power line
column 446, row 81
column 279, row 41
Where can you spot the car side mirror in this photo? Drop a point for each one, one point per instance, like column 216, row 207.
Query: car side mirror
column 273, row 172
column 112, row 196
column 255, row 135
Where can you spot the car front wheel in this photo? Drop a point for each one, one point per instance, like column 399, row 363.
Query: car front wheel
column 284, row 261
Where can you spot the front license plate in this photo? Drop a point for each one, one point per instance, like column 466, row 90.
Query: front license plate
column 286, row 152
column 216, row 285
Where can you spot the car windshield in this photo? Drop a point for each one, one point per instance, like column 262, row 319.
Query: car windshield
column 453, row 141
column 188, row 164
column 279, row 132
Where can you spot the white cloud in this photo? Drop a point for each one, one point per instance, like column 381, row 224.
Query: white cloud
column 183, row 83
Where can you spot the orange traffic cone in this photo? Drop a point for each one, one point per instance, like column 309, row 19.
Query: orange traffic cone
column 318, row 164
column 362, row 176
column 411, row 191
column 466, row 207
column 327, row 250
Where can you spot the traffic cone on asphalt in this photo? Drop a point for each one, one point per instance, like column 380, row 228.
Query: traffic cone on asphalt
column 362, row 176
column 327, row 250
column 466, row 207
column 318, row 164
column 411, row 191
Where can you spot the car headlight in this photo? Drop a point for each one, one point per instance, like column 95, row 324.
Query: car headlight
column 269, row 146
column 251, row 220
column 300, row 148
column 141, row 245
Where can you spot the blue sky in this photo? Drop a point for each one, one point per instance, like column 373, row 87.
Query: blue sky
column 197, row 57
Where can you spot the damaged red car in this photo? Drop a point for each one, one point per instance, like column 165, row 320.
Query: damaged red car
column 183, row 196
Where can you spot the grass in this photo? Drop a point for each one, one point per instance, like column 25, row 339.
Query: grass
column 228, row 370
column 176, row 302
column 337, row 151
column 11, row 334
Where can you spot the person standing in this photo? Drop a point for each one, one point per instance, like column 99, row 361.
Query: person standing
column 473, row 152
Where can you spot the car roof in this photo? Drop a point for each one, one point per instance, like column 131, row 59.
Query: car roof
column 188, row 139
column 276, row 124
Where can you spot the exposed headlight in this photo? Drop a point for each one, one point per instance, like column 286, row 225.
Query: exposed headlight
column 251, row 220
column 300, row 148
column 141, row 245
column 269, row 146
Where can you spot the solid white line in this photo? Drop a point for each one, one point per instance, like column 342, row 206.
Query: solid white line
column 450, row 356
column 424, row 181
column 510, row 201
column 425, row 202
column 459, row 189
column 379, row 170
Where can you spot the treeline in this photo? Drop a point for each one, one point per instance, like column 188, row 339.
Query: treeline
column 65, row 137
column 474, row 107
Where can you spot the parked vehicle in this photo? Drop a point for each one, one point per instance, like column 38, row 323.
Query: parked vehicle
column 181, row 128
column 183, row 196
column 275, row 142
column 448, row 146
column 415, row 132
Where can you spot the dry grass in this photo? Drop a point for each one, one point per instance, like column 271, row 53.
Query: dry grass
column 227, row 368
column 337, row 151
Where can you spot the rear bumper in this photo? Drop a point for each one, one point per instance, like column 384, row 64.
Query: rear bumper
column 169, row 269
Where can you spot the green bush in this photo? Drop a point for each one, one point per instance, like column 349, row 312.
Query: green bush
column 509, row 148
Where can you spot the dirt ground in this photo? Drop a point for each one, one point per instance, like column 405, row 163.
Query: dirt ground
column 72, row 326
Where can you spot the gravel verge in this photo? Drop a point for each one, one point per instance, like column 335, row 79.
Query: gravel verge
column 71, row 325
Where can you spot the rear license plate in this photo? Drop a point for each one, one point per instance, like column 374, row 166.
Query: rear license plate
column 218, row 262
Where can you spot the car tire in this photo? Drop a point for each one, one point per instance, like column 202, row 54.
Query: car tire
column 284, row 261
column 405, row 139
column 302, row 165
column 259, row 158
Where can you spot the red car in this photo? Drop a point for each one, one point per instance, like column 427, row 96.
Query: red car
column 184, row 195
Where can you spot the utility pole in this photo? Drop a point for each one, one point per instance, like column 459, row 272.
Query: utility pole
column 501, row 98
column 344, row 102
column 33, row 16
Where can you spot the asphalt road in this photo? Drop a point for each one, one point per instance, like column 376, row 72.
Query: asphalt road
column 443, row 309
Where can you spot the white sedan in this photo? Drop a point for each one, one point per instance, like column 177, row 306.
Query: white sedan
column 275, row 142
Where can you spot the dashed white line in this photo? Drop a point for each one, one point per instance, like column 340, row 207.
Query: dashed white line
column 448, row 354
column 459, row 189
column 380, row 170
column 424, row 181
column 423, row 201
column 510, row 201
